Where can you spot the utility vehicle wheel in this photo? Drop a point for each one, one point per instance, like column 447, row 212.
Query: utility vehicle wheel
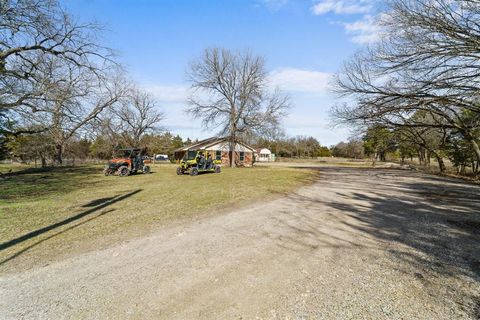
column 146, row 169
column 106, row 171
column 179, row 171
column 218, row 169
column 194, row 172
column 123, row 171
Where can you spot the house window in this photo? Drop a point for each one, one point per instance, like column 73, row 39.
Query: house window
column 242, row 155
column 218, row 155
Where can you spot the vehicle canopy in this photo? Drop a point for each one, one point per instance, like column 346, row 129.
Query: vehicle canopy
column 191, row 154
column 127, row 152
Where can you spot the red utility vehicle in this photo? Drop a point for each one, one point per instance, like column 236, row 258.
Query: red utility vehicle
column 127, row 161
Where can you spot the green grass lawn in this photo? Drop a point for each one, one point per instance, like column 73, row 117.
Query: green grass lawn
column 52, row 214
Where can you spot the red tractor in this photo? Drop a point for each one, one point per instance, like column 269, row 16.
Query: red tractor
column 127, row 161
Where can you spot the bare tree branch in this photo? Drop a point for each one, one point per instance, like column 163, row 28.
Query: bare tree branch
column 230, row 93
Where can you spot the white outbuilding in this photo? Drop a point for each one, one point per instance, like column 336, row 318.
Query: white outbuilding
column 264, row 155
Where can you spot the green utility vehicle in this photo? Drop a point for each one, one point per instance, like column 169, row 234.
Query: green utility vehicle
column 198, row 161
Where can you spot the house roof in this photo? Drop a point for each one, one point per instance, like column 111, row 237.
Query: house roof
column 206, row 143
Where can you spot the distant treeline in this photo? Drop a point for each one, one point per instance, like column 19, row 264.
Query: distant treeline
column 40, row 147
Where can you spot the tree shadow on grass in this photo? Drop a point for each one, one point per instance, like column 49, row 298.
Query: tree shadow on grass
column 32, row 183
column 98, row 202
column 33, row 234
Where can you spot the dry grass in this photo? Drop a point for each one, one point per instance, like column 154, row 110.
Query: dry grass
column 317, row 162
column 48, row 215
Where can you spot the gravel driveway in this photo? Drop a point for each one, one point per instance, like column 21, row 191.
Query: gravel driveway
column 356, row 244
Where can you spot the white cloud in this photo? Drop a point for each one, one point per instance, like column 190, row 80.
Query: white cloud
column 342, row 7
column 168, row 93
column 364, row 31
column 300, row 80
column 172, row 100
column 289, row 79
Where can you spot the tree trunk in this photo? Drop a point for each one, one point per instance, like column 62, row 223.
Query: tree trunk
column 421, row 157
column 230, row 157
column 231, row 153
column 476, row 149
column 441, row 164
column 59, row 154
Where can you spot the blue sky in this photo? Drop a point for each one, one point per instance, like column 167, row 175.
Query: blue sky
column 303, row 42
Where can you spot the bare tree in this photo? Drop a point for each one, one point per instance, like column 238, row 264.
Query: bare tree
column 32, row 32
column 230, row 93
column 138, row 115
column 428, row 62
column 76, row 98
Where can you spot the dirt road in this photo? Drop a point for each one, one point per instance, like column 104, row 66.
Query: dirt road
column 357, row 244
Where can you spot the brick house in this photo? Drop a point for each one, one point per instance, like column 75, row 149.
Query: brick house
column 220, row 148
